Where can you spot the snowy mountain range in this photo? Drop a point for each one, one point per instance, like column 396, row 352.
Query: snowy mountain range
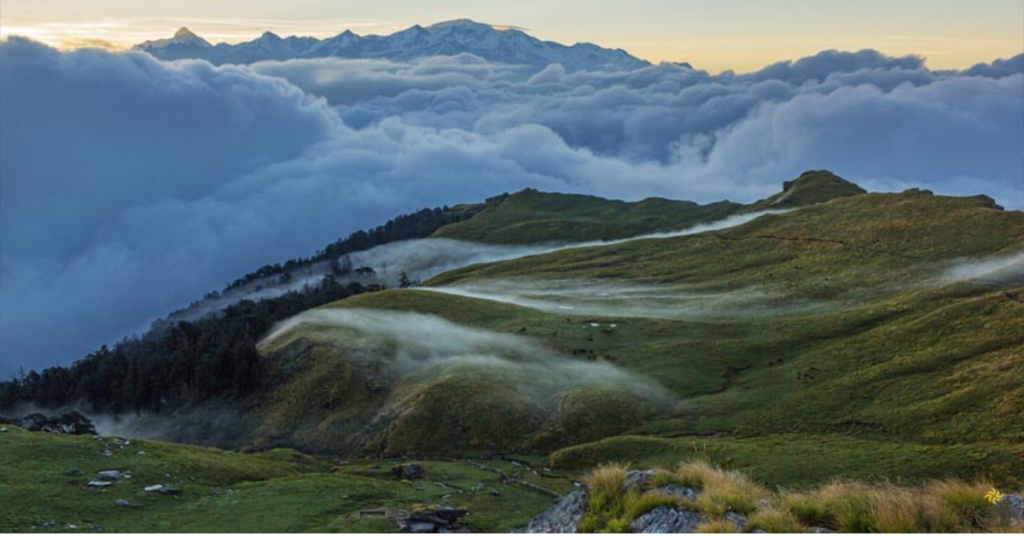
column 492, row 43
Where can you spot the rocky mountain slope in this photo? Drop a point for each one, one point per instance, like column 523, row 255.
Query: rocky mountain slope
column 492, row 43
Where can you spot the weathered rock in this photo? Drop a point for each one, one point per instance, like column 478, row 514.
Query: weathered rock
column 1012, row 506
column 125, row 503
column 641, row 480
column 822, row 530
column 663, row 520
column 676, row 490
column 564, row 517
column 99, row 484
column 739, row 520
column 73, row 472
column 110, row 476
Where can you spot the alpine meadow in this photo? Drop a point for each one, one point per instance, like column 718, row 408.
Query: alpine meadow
column 316, row 267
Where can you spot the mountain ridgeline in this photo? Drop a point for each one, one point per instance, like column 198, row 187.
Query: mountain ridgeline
column 883, row 325
column 492, row 43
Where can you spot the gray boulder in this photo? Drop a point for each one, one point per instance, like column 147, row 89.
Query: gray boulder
column 666, row 520
column 125, row 503
column 562, row 518
column 1012, row 506
column 99, row 484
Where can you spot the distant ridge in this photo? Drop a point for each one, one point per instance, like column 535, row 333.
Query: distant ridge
column 503, row 44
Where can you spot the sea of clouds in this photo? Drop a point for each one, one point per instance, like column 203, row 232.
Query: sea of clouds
column 130, row 187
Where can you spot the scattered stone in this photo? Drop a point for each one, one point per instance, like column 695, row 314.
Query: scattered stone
column 125, row 503
column 110, row 476
column 99, row 484
column 564, row 517
column 495, row 493
column 407, row 471
column 162, row 489
column 3, row 429
column 480, row 486
column 73, row 472
column 664, row 519
column 822, row 530
column 432, row 519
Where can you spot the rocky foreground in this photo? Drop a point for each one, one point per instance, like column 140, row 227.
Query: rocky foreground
column 680, row 511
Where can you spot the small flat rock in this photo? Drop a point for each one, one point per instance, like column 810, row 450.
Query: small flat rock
column 99, row 484
column 73, row 472
column 125, row 503
column 4, row 429
column 110, row 476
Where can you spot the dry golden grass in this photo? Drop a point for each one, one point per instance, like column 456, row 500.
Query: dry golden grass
column 773, row 520
column 611, row 508
column 717, row 526
column 721, row 491
column 939, row 506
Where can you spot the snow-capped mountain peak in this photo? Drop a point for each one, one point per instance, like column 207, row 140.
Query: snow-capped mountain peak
column 499, row 44
column 182, row 38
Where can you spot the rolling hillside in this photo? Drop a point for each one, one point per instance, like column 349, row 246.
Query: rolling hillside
column 844, row 334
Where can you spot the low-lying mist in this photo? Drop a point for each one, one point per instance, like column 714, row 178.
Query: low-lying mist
column 424, row 345
column 995, row 270
column 624, row 300
column 422, row 259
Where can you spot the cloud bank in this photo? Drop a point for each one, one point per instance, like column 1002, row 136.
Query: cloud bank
column 131, row 187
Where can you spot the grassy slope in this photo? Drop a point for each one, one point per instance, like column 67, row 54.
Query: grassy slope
column 276, row 491
column 890, row 360
column 530, row 217
column 809, row 188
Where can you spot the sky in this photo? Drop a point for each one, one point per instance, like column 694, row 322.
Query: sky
column 742, row 35
column 132, row 187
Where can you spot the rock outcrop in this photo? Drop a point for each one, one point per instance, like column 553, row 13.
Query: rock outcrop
column 563, row 517
column 666, row 520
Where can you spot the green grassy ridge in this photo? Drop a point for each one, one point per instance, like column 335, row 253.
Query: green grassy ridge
column 223, row 491
column 346, row 393
column 531, row 217
column 861, row 243
column 897, row 355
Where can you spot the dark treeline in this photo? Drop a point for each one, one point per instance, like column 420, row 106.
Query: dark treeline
column 420, row 224
column 181, row 363
column 188, row 362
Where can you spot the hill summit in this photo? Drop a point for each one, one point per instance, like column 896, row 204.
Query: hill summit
column 809, row 188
